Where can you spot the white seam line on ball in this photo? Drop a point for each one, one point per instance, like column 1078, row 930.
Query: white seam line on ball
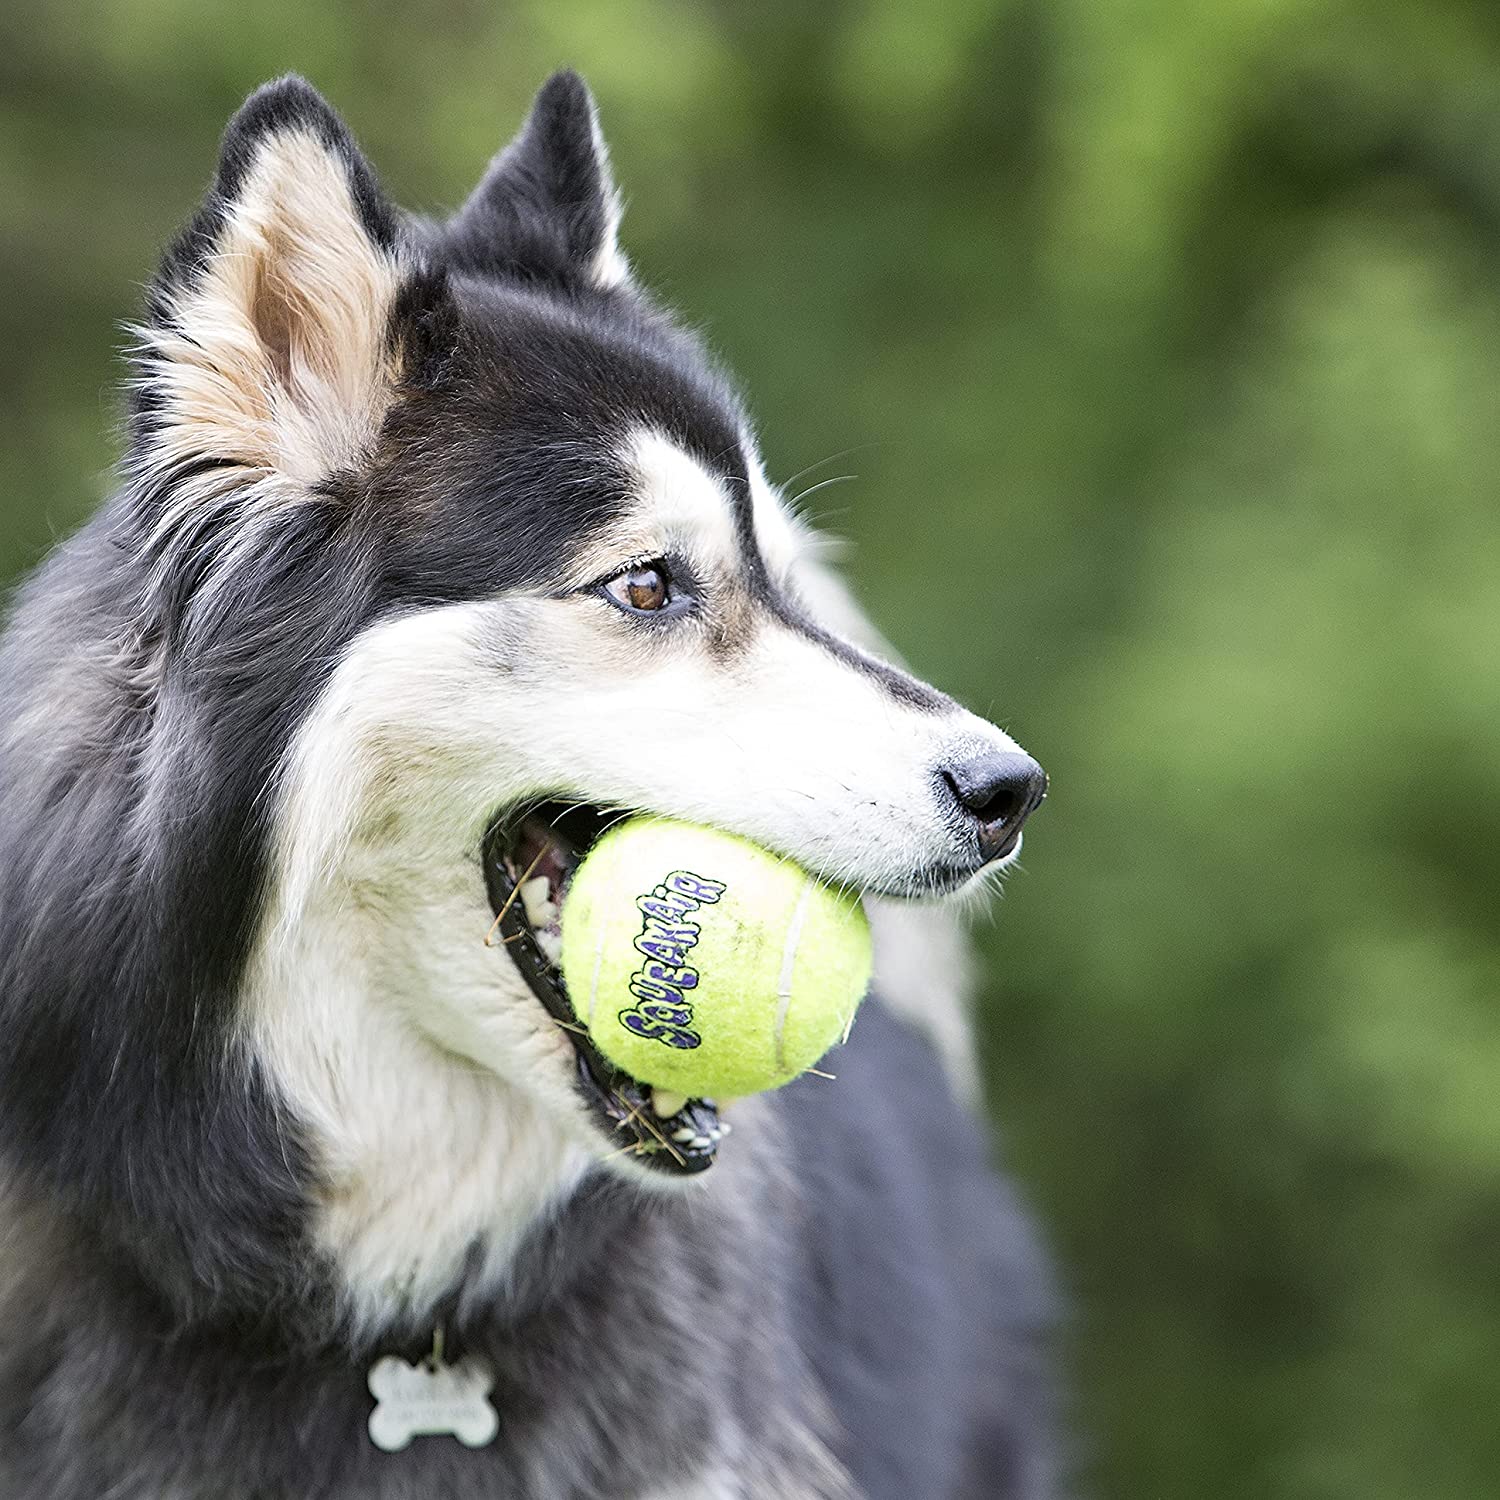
column 788, row 960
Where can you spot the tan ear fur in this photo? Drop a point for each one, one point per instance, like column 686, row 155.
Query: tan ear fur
column 274, row 358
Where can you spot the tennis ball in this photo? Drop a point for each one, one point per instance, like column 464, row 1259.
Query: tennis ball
column 703, row 964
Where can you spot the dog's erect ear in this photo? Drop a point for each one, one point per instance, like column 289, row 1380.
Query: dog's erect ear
column 547, row 209
column 267, row 344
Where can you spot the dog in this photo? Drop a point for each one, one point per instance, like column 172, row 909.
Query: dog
column 438, row 546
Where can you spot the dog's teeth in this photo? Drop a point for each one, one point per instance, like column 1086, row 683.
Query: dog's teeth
column 550, row 943
column 666, row 1104
column 724, row 1127
column 541, row 910
column 701, row 1142
column 684, row 1136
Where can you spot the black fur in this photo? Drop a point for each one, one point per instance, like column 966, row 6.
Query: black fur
column 165, row 1328
column 541, row 213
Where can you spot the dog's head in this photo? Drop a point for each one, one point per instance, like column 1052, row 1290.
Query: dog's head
column 467, row 549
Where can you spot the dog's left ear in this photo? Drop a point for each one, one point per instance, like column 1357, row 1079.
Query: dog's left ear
column 547, row 209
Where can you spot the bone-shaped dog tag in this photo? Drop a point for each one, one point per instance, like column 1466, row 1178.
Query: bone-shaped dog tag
column 429, row 1399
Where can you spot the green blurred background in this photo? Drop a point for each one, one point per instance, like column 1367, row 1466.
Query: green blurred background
column 1162, row 338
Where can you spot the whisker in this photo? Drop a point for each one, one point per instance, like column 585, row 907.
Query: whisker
column 813, row 489
column 635, row 1148
column 831, row 459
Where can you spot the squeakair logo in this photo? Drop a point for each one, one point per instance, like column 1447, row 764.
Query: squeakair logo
column 662, row 1011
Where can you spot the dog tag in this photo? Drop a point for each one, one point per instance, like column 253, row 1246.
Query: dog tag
column 431, row 1398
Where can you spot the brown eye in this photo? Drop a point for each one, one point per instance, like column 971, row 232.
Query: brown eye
column 645, row 589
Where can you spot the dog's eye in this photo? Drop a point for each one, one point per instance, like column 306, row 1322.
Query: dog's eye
column 643, row 590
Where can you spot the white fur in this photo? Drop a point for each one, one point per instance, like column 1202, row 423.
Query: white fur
column 437, row 1088
column 681, row 507
column 609, row 268
column 924, row 972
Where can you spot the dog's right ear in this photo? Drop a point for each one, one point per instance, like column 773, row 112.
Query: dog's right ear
column 267, row 348
column 547, row 209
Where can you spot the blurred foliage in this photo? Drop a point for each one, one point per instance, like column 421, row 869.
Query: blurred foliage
column 1163, row 340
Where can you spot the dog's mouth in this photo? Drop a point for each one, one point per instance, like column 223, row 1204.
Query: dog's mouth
column 529, row 858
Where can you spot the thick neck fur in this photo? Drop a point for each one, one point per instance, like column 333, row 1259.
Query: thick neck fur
column 436, row 1094
column 141, row 1077
column 627, row 1328
column 430, row 1167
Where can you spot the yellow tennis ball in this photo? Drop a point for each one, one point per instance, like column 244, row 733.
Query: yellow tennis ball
column 703, row 964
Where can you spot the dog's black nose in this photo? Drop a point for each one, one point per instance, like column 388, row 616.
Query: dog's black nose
column 999, row 789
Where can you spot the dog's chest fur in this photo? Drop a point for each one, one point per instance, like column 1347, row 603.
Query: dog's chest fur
column 826, row 1319
column 641, row 1350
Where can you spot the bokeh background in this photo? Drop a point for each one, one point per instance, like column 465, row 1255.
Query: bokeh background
column 1163, row 339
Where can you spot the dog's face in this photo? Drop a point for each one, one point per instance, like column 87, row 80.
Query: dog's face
column 563, row 590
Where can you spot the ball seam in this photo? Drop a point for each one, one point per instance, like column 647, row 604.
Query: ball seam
column 788, row 962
